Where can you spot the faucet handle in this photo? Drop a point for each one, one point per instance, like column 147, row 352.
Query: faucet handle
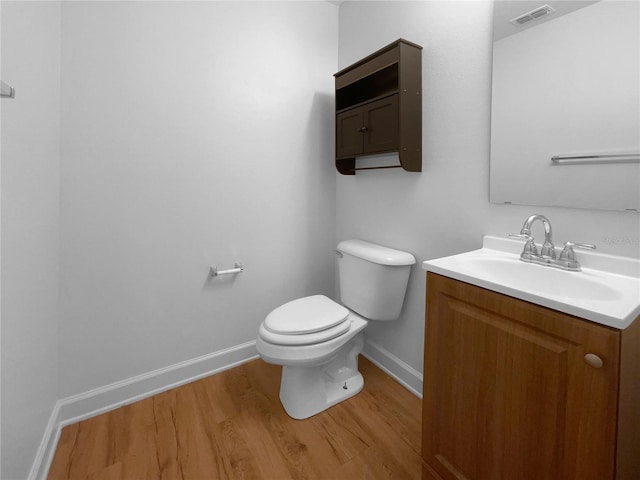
column 586, row 246
column 521, row 235
column 569, row 255
column 530, row 246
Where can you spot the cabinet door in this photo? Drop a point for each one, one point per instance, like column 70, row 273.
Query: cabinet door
column 381, row 123
column 349, row 131
column 507, row 393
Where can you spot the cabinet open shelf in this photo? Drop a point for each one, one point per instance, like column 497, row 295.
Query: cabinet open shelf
column 379, row 108
column 378, row 84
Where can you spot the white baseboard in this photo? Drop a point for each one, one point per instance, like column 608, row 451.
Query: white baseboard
column 47, row 448
column 404, row 374
column 100, row 400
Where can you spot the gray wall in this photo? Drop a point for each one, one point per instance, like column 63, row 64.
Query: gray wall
column 30, row 227
column 193, row 134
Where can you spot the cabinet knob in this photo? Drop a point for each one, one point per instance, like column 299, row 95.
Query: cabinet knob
column 593, row 360
column 363, row 129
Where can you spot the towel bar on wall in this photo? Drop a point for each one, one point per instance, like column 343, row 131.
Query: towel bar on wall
column 214, row 272
column 599, row 158
column 7, row 91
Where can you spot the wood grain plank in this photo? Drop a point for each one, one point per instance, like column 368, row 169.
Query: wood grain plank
column 346, row 444
column 258, row 436
column 370, row 416
column 92, row 433
column 232, row 426
column 374, row 464
column 165, row 438
column 60, row 464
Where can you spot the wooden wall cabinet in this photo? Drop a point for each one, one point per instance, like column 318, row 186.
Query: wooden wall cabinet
column 508, row 393
column 379, row 108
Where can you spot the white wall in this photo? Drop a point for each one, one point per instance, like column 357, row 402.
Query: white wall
column 0, row 251
column 445, row 209
column 30, row 197
column 193, row 133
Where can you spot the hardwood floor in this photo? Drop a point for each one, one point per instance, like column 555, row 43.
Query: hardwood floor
column 232, row 426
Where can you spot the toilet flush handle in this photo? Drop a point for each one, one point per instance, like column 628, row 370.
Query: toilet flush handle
column 338, row 253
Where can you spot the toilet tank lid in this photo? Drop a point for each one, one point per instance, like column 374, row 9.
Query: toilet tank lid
column 376, row 253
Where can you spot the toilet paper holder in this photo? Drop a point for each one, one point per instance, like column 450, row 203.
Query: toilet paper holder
column 214, row 272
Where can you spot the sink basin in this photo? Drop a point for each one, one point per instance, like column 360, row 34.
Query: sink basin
column 542, row 280
column 606, row 291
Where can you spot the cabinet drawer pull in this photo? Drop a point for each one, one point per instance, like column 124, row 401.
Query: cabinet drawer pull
column 593, row 360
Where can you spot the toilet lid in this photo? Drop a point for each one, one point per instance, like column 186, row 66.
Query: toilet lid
column 304, row 339
column 306, row 315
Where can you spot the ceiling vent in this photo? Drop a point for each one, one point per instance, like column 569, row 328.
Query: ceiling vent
column 535, row 14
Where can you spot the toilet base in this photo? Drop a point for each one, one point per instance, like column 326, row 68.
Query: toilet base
column 307, row 391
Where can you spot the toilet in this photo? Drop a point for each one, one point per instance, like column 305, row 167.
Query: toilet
column 317, row 340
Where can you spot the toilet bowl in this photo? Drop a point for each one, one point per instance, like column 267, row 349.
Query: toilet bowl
column 319, row 361
column 317, row 341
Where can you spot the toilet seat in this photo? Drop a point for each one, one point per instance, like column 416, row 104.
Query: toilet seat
column 303, row 339
column 305, row 321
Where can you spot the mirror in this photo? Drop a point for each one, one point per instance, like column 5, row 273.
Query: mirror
column 565, row 117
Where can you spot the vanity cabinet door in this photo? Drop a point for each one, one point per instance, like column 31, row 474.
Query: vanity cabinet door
column 508, row 393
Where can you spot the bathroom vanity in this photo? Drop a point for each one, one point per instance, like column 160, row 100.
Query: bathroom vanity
column 525, row 384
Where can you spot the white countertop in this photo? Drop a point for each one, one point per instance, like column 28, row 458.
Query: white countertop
column 606, row 291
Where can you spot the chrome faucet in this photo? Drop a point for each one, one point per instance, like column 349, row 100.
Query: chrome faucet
column 531, row 252
column 547, row 255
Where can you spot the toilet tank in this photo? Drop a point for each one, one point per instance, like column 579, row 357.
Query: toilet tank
column 373, row 278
